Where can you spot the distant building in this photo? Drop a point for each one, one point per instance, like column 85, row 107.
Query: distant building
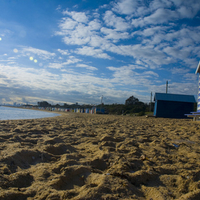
column 173, row 105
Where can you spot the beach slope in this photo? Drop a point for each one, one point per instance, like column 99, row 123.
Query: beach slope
column 82, row 156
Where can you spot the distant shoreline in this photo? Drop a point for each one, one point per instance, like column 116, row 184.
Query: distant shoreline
column 8, row 114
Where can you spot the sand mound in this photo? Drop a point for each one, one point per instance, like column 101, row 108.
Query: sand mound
column 81, row 156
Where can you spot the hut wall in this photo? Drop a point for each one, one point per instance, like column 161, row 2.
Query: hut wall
column 172, row 109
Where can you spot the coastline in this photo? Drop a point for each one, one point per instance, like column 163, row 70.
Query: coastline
column 8, row 114
column 80, row 156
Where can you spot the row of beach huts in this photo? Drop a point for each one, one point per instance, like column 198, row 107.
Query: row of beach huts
column 93, row 110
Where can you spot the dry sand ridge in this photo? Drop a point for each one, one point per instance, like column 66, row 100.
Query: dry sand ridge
column 82, row 156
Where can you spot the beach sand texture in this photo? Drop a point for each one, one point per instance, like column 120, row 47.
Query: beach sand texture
column 82, row 156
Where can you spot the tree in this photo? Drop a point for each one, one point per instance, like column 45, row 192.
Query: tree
column 44, row 104
column 65, row 105
column 131, row 101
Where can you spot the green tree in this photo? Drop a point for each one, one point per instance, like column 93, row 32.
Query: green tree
column 43, row 104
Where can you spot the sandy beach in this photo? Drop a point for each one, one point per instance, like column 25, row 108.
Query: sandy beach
column 84, row 156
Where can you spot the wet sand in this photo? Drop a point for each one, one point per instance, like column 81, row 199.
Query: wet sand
column 84, row 156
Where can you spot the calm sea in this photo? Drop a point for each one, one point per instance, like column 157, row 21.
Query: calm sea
column 7, row 113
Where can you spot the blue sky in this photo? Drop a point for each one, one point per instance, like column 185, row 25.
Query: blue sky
column 76, row 51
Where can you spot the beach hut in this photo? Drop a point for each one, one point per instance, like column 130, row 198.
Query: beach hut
column 100, row 110
column 196, row 115
column 87, row 110
column 173, row 105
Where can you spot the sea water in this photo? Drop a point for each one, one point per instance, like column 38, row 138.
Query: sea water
column 7, row 113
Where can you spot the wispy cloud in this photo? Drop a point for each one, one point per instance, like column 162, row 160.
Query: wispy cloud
column 115, row 29
column 43, row 54
column 126, row 7
column 87, row 67
column 119, row 49
column 118, row 23
column 63, row 52
column 91, row 51
column 77, row 16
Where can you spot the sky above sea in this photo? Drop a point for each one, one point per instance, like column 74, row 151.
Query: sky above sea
column 78, row 50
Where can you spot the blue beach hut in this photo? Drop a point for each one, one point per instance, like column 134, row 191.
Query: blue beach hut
column 100, row 110
column 173, row 105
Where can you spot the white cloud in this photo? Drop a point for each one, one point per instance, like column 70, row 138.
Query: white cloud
column 184, row 12
column 43, row 79
column 192, row 63
column 67, row 24
column 117, row 22
column 160, row 16
column 58, row 7
column 91, row 51
column 43, row 54
column 148, row 54
column 177, row 45
column 152, row 31
column 126, row 6
column 155, row 50
column 175, row 87
column 191, row 78
column 63, row 52
column 189, row 9
column 55, row 65
column 179, row 70
column 114, row 35
column 97, row 41
column 86, row 66
column 77, row 16
column 73, row 40
column 69, row 61
column 80, row 35
column 177, row 52
column 128, row 75
column 183, row 88
column 150, row 73
column 140, row 64
column 94, row 25
column 165, row 11
column 156, row 4
column 160, row 40
column 66, row 84
column 29, row 77
column 72, row 60
column 144, row 35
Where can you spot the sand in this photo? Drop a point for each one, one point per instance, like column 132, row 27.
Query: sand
column 84, row 156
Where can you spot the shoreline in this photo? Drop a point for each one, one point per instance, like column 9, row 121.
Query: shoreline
column 56, row 112
column 80, row 156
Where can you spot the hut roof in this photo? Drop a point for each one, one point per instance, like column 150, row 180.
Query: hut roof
column 174, row 97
